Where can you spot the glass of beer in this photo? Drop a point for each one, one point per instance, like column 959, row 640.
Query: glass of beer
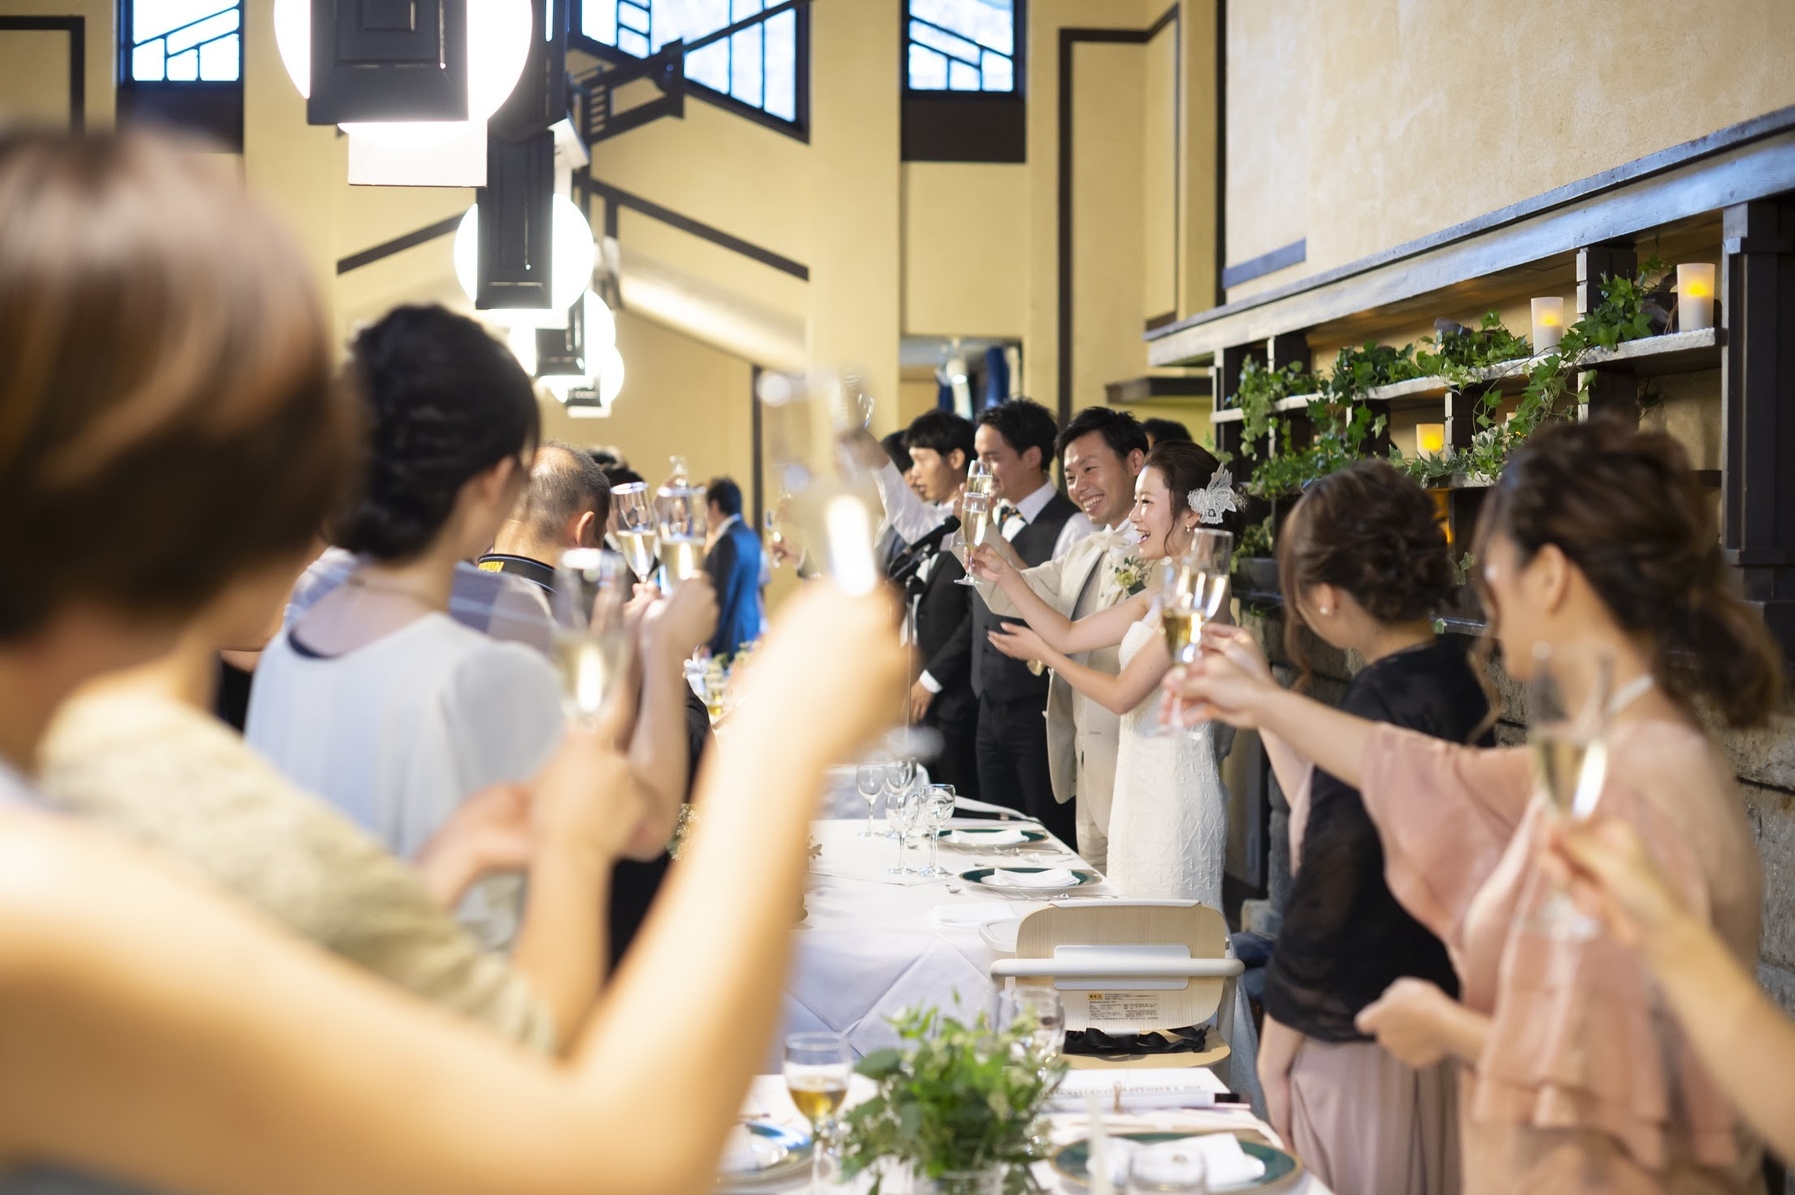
column 817, row 1067
column 592, row 645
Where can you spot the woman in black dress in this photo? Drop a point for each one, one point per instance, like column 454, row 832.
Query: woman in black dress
column 1364, row 563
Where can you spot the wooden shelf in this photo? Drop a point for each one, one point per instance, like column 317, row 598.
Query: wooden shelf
column 1652, row 356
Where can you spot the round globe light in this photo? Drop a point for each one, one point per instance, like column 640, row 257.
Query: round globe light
column 571, row 254
column 523, row 346
column 498, row 46
column 610, row 375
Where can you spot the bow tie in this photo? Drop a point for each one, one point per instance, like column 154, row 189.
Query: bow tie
column 1113, row 538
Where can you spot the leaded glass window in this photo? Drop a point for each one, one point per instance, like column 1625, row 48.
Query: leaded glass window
column 756, row 66
column 184, row 41
column 961, row 45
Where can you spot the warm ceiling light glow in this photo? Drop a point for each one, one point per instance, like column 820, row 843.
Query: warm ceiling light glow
column 498, row 46
column 572, row 255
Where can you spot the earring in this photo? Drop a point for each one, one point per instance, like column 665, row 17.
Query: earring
column 1324, row 611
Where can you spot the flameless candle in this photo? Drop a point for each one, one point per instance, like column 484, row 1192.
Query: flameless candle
column 1695, row 296
column 1548, row 323
column 1430, row 438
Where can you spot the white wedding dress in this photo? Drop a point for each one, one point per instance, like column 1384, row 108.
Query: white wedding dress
column 1168, row 825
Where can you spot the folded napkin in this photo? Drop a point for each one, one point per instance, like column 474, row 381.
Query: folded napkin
column 999, row 837
column 1052, row 877
column 749, row 1153
column 1225, row 1164
column 973, row 912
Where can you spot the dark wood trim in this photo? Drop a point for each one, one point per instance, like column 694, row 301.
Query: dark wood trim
column 1070, row 37
column 756, row 439
column 1161, row 320
column 697, row 228
column 76, row 28
column 399, row 244
column 1221, row 148
column 1258, row 267
column 1757, row 159
column 1155, row 387
column 942, row 126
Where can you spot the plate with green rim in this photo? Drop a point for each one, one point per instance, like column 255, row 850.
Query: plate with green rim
column 1282, row 1170
column 980, row 875
column 1031, row 838
column 787, row 1151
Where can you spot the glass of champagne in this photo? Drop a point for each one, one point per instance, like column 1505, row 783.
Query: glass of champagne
column 834, row 505
column 592, row 644
column 638, row 534
column 1192, row 589
column 680, row 508
column 902, row 808
column 716, row 685
column 1569, row 696
column 975, row 511
column 817, row 1068
column 937, row 810
column 775, row 534
column 869, row 779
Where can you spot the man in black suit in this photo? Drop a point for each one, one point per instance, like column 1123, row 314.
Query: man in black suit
column 940, row 446
column 1015, row 440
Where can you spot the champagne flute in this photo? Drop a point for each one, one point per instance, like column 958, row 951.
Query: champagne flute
column 716, row 682
column 900, row 774
column 975, row 512
column 1192, row 588
column 680, row 507
column 775, row 534
column 834, row 502
column 817, row 1068
column 937, row 809
column 1568, row 708
column 869, row 778
column 592, row 644
column 637, row 532
column 902, row 809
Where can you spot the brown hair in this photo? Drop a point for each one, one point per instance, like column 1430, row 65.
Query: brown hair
column 1372, row 532
column 1185, row 467
column 167, row 417
column 1625, row 507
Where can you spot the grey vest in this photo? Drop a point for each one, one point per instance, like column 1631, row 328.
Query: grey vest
column 996, row 677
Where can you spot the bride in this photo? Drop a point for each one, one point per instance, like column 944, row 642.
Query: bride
column 1168, row 828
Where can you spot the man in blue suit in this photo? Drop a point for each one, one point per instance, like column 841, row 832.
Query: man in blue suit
column 733, row 563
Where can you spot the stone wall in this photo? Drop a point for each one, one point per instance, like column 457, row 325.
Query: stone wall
column 1763, row 760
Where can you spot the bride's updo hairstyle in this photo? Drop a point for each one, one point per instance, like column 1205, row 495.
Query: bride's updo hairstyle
column 1626, row 508
column 168, row 417
column 1184, row 467
column 1369, row 531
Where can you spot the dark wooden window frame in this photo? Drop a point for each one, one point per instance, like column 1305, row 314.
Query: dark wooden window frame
column 210, row 108
column 76, row 28
column 965, row 126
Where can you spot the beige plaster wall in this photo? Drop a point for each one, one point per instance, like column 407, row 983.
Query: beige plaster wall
column 34, row 79
column 966, row 239
column 1361, row 126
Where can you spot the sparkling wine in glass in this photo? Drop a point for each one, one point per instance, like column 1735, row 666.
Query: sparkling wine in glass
column 1569, row 695
column 937, row 810
column 869, row 781
column 975, row 519
column 902, row 808
column 1192, row 590
column 592, row 645
column 638, row 535
column 817, row 1068
column 681, row 512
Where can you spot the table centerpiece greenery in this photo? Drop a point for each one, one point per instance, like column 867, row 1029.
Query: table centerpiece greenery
column 958, row 1103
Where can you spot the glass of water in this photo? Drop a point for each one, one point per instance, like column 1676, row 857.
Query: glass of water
column 869, row 781
column 902, row 808
column 937, row 810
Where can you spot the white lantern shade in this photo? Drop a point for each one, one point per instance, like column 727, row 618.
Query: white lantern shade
column 610, row 375
column 1695, row 296
column 1548, row 323
column 570, row 249
column 498, row 46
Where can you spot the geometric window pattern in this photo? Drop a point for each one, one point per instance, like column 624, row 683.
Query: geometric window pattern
column 756, row 66
column 962, row 45
column 186, row 41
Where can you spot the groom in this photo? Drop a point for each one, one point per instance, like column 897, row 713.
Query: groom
column 1102, row 451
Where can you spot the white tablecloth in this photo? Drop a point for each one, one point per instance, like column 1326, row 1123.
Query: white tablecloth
column 871, row 946
column 767, row 1099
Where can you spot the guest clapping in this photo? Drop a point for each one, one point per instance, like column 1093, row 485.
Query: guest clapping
column 1596, row 537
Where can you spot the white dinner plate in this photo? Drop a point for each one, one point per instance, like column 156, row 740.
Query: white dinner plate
column 1001, row 935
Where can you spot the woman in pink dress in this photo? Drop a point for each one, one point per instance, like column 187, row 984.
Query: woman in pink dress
column 1597, row 536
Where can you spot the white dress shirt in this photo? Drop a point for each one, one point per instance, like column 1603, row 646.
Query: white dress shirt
column 1030, row 508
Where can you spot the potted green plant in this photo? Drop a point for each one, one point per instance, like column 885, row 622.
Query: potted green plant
column 957, row 1103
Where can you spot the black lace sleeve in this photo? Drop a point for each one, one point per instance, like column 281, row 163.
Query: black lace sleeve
column 1344, row 937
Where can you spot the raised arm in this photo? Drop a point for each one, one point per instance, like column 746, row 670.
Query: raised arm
column 1119, row 693
column 157, row 1033
column 1105, row 628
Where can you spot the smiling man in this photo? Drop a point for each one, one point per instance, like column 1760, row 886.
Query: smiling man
column 1102, row 451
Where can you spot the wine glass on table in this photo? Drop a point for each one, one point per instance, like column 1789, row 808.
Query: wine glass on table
column 1041, row 1009
column 937, row 810
column 681, row 514
column 976, row 504
column 1192, row 589
column 592, row 644
column 902, row 808
column 638, row 533
column 869, row 780
column 817, row 1068
column 1570, row 701
column 900, row 774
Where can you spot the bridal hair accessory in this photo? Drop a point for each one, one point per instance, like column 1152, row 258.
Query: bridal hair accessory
column 1215, row 499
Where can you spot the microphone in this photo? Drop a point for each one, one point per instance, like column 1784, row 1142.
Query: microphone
column 913, row 556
